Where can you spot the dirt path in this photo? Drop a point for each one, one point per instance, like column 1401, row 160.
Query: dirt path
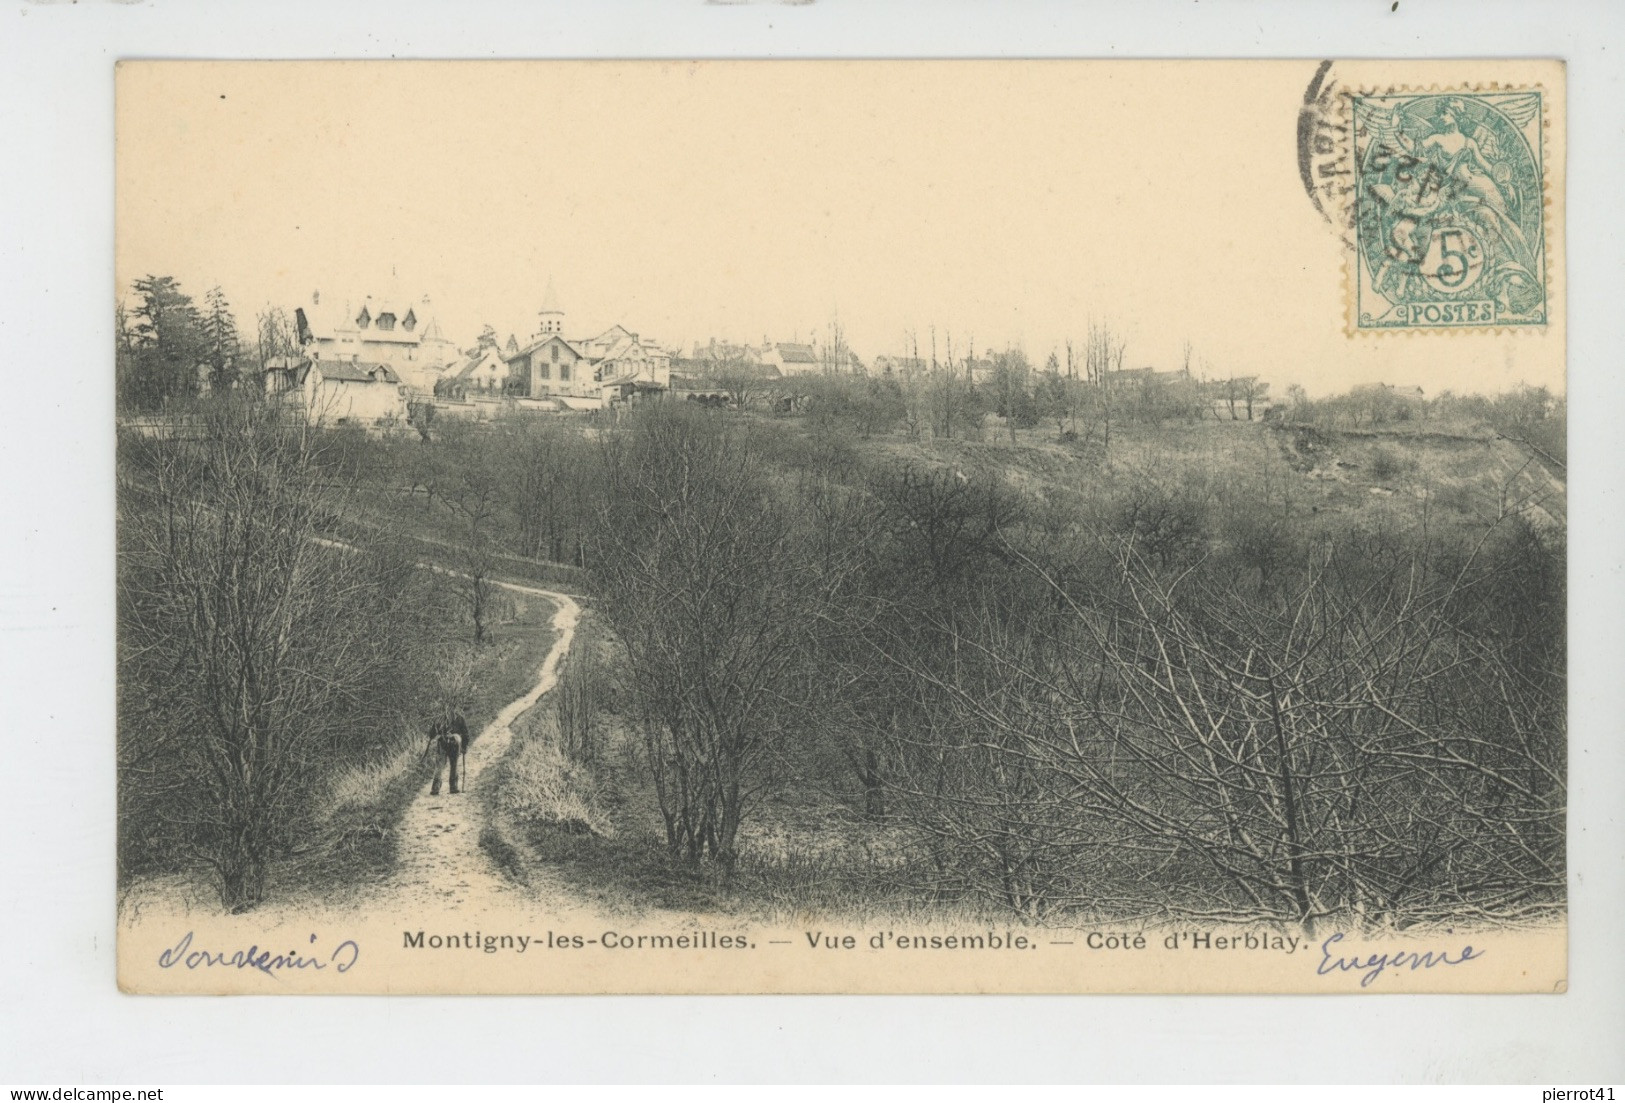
column 440, row 862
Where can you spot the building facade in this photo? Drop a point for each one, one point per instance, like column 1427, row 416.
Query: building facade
column 394, row 331
column 482, row 373
column 781, row 358
column 550, row 366
column 612, row 366
column 337, row 392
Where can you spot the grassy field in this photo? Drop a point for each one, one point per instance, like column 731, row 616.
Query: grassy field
column 1465, row 471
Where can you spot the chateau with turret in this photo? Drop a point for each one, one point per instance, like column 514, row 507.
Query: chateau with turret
column 392, row 331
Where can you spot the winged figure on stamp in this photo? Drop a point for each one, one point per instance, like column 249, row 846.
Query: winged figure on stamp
column 1436, row 160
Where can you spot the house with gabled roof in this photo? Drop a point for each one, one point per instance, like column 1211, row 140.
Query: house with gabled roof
column 726, row 352
column 791, row 358
column 901, row 365
column 625, row 364
column 337, row 392
column 798, row 358
column 549, row 366
column 608, row 367
column 482, row 372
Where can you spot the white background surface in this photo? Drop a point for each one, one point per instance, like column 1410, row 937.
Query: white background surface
column 62, row 1021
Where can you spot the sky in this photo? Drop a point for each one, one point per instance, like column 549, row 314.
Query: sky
column 995, row 203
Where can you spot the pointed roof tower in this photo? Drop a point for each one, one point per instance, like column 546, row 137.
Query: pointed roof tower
column 551, row 314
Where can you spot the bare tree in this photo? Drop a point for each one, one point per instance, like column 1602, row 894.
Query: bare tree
column 1052, row 399
column 834, row 356
column 1010, row 380
column 945, row 524
column 275, row 335
column 1253, row 390
column 250, row 652
column 915, row 388
column 693, row 563
column 472, row 493
column 1103, row 356
column 534, row 453
column 944, row 389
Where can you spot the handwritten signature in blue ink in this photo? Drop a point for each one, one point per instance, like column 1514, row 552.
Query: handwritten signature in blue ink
column 1374, row 965
column 342, row 959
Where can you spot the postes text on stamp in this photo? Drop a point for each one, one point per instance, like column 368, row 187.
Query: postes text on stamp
column 1449, row 210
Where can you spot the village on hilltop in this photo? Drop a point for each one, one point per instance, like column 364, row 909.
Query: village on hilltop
column 373, row 359
column 381, row 360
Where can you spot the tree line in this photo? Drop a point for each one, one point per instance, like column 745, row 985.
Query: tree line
column 1532, row 416
column 946, row 394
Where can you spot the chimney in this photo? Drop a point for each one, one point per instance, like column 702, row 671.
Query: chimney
column 316, row 297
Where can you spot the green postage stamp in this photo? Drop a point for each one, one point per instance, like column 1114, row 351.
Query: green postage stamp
column 1449, row 211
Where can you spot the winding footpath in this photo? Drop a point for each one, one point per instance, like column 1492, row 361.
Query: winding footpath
column 440, row 866
column 440, row 861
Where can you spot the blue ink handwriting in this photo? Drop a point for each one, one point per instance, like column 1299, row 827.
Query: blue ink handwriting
column 1375, row 964
column 342, row 959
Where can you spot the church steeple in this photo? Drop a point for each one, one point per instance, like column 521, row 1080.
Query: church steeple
column 551, row 314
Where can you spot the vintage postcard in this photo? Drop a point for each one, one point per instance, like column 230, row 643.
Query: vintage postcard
column 856, row 527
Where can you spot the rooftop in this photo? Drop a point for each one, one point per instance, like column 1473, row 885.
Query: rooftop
column 550, row 299
column 357, row 371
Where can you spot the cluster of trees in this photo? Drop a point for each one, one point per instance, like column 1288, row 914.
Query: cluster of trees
column 1164, row 691
column 275, row 629
column 1152, row 697
column 699, row 570
column 169, row 349
column 1352, row 748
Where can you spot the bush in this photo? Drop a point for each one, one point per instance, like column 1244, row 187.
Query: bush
column 1167, row 523
column 1388, row 465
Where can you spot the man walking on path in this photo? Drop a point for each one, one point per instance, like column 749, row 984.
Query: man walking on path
column 448, row 741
